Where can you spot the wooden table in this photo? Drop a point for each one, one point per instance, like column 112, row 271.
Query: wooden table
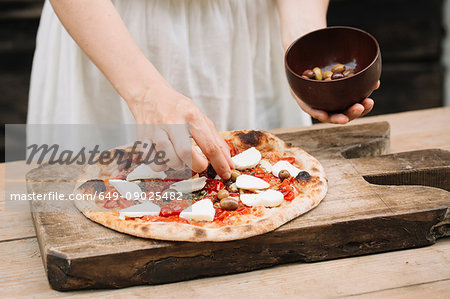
column 407, row 273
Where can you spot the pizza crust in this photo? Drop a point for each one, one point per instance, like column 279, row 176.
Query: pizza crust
column 174, row 231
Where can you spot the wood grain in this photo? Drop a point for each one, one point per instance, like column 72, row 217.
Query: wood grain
column 14, row 225
column 355, row 218
column 416, row 273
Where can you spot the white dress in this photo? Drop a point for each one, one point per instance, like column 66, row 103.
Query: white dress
column 226, row 55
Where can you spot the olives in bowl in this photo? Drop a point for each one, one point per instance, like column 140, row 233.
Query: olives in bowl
column 310, row 60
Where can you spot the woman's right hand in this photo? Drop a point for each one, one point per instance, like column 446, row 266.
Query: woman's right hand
column 173, row 118
column 96, row 26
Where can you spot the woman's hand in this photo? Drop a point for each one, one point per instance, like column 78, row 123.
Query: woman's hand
column 297, row 18
column 169, row 120
column 98, row 29
column 355, row 111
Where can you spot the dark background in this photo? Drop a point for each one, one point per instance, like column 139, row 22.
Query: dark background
column 410, row 34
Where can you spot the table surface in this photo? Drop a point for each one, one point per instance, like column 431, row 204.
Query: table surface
column 408, row 273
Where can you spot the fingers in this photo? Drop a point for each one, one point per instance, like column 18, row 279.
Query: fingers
column 180, row 138
column 321, row 115
column 222, row 144
column 165, row 145
column 340, row 119
column 354, row 111
column 368, row 105
column 207, row 142
column 199, row 160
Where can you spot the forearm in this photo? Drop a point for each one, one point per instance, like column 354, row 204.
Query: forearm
column 100, row 32
column 299, row 17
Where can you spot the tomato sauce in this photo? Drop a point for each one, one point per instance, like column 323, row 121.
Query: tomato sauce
column 171, row 211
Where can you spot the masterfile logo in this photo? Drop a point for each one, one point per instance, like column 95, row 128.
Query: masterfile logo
column 143, row 152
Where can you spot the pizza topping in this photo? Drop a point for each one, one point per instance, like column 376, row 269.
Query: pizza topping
column 144, row 171
column 284, row 165
column 234, row 174
column 268, row 198
column 173, row 208
column 213, row 186
column 289, row 159
column 284, row 174
column 286, row 188
column 223, row 194
column 190, row 185
column 249, row 199
column 265, row 165
column 145, row 209
column 247, row 159
column 249, row 182
column 230, row 144
column 202, row 210
column 127, row 189
column 303, row 176
column 229, row 203
column 233, row 188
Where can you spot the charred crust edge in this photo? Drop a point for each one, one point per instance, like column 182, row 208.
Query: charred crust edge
column 303, row 176
column 93, row 186
column 251, row 138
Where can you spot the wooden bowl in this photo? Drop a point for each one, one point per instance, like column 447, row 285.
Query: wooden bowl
column 328, row 46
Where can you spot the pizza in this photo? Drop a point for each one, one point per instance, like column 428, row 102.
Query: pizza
column 272, row 183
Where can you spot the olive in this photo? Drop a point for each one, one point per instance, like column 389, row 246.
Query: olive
column 328, row 79
column 327, row 74
column 223, row 194
column 233, row 188
column 337, row 76
column 348, row 73
column 234, row 174
column 338, row 68
column 309, row 74
column 284, row 174
column 304, row 77
column 229, row 203
column 318, row 73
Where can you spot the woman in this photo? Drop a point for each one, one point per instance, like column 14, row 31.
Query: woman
column 208, row 64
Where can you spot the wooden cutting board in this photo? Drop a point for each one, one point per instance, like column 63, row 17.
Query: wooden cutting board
column 362, row 213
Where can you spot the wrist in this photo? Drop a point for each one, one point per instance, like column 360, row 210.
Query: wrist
column 144, row 80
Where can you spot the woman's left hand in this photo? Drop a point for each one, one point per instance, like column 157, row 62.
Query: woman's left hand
column 355, row 111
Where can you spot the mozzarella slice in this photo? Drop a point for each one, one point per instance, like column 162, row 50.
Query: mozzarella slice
column 268, row 198
column 144, row 171
column 127, row 189
column 280, row 165
column 247, row 159
column 265, row 165
column 145, row 209
column 250, row 200
column 191, row 185
column 249, row 182
column 202, row 210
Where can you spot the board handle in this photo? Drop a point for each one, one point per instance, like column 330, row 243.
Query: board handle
column 425, row 167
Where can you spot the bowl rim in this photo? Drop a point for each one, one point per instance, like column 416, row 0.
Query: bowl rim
column 330, row 28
